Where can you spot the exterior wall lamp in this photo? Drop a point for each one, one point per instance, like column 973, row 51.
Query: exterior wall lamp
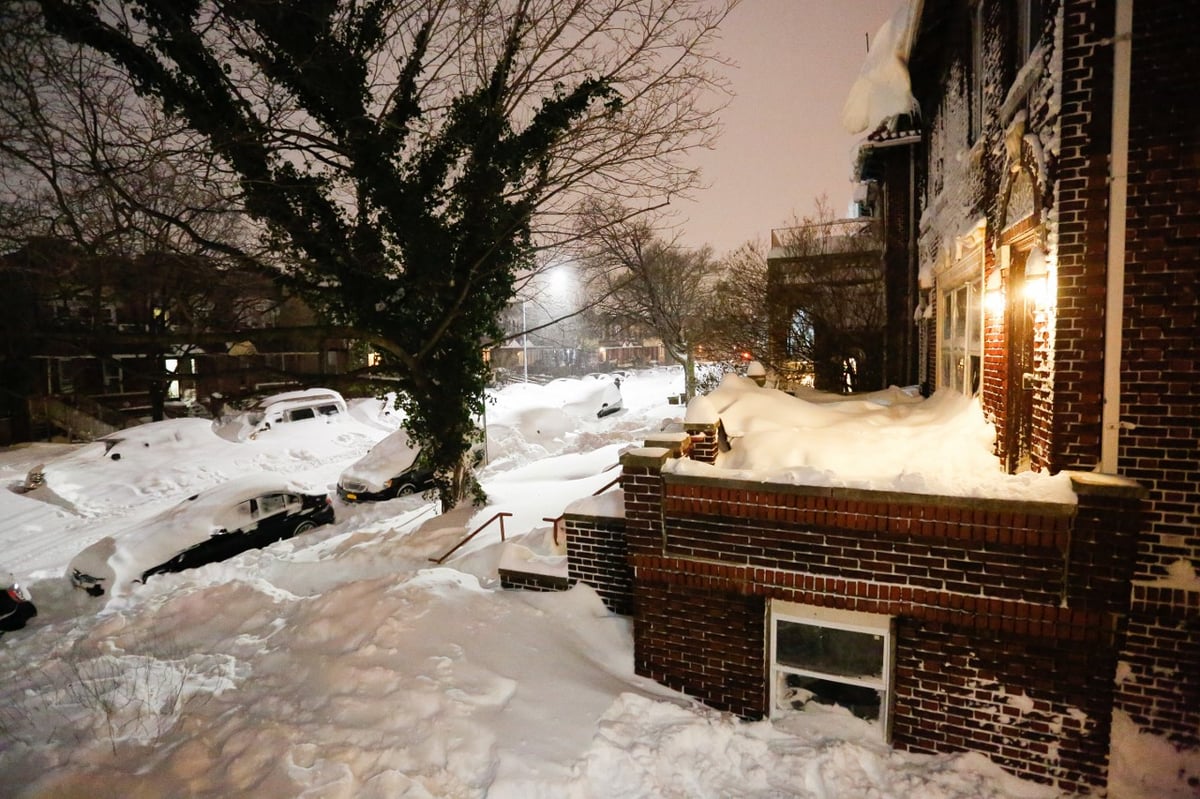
column 1037, row 277
column 993, row 296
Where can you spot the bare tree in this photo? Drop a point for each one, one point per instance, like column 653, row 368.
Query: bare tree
column 85, row 161
column 412, row 156
column 738, row 322
column 106, row 203
column 641, row 281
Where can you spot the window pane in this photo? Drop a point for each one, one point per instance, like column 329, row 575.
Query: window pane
column 271, row 503
column 974, row 319
column 960, row 314
column 798, row 690
column 829, row 649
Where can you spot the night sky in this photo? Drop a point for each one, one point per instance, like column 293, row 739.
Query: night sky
column 783, row 143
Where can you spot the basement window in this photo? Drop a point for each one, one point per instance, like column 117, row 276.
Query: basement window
column 826, row 656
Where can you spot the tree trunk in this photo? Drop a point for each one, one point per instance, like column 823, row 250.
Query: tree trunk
column 689, row 374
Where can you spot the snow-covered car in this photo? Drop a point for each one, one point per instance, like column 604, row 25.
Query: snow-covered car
column 591, row 396
column 610, row 399
column 392, row 468
column 16, row 605
column 309, row 406
column 210, row 526
column 153, row 438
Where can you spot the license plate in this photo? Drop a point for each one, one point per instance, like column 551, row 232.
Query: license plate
column 352, row 497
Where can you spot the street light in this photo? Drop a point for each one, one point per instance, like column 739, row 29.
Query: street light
column 524, row 342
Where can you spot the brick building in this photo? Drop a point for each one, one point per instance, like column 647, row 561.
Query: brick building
column 1055, row 150
column 95, row 343
column 1059, row 199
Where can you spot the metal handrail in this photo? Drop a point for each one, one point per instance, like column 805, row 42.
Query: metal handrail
column 500, row 515
column 596, row 493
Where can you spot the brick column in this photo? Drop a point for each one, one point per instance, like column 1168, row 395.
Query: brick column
column 641, row 480
column 705, row 436
column 1103, row 547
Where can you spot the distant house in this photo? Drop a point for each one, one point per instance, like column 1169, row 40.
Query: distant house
column 93, row 343
column 827, row 290
column 1049, row 176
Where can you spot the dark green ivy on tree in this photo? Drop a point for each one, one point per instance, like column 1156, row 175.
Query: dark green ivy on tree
column 410, row 157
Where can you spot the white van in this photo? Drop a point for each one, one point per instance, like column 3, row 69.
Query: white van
column 308, row 406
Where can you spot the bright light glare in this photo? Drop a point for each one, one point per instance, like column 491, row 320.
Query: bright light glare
column 560, row 281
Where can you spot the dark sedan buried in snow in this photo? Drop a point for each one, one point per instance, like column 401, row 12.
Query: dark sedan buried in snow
column 392, row 468
column 16, row 606
column 211, row 526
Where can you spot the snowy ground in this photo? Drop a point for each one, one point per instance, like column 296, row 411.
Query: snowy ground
column 345, row 664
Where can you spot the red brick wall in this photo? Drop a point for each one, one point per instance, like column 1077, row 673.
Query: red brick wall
column 1004, row 695
column 1161, row 365
column 529, row 581
column 1081, row 173
column 993, row 599
column 1162, row 685
column 597, row 555
column 708, row 643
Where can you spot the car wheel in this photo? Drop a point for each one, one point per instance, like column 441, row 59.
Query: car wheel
column 406, row 490
column 303, row 527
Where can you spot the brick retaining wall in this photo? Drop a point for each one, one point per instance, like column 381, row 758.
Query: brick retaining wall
column 1009, row 615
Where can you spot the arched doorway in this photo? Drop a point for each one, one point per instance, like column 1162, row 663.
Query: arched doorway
column 1022, row 263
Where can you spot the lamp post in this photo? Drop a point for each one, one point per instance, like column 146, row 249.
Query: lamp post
column 524, row 342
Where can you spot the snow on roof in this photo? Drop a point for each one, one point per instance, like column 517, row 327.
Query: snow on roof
column 883, row 89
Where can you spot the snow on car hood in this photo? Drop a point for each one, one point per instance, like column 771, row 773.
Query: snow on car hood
column 394, row 454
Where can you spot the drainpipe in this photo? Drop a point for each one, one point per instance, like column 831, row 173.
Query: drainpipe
column 1110, row 414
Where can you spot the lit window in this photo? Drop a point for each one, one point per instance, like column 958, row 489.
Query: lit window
column 960, row 348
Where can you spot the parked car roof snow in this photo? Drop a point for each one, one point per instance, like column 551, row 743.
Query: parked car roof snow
column 214, row 524
column 308, row 406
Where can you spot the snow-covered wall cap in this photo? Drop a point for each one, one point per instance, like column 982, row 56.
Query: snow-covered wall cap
column 701, row 411
column 609, row 505
column 883, row 88
column 755, row 369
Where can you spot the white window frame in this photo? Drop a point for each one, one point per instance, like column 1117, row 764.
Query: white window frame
column 962, row 280
column 112, row 375
column 960, row 356
column 847, row 620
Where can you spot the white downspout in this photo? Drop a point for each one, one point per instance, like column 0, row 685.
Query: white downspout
column 1110, row 414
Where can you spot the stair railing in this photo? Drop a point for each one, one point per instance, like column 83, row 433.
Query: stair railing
column 557, row 520
column 501, row 516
